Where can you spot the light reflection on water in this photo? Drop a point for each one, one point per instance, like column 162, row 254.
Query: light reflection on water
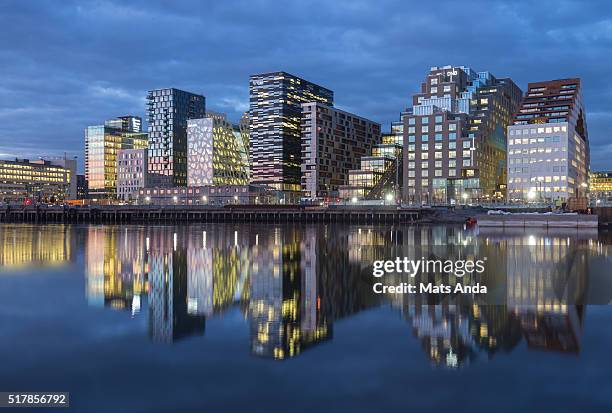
column 293, row 284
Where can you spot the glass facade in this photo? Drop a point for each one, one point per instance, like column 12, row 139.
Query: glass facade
column 216, row 154
column 274, row 115
column 102, row 144
column 168, row 111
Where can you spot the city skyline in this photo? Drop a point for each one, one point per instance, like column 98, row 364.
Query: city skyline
column 55, row 75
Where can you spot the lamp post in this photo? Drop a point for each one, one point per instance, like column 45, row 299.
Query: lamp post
column 531, row 195
column 389, row 198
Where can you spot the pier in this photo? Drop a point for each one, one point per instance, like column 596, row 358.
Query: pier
column 197, row 213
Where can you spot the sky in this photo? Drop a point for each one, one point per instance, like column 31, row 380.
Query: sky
column 68, row 64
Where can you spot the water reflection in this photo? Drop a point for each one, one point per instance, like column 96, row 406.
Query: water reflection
column 292, row 283
column 26, row 246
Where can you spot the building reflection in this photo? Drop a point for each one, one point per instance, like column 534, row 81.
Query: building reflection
column 168, row 263
column 116, row 268
column 543, row 279
column 292, row 283
column 24, row 246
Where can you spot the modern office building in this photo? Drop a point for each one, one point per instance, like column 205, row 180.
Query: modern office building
column 600, row 188
column 380, row 173
column 168, row 111
column 216, row 154
column 28, row 182
column 333, row 142
column 69, row 164
column 132, row 173
column 455, row 137
column 102, row 143
column 274, row 115
column 548, row 146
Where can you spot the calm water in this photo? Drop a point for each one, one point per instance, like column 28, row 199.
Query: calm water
column 267, row 318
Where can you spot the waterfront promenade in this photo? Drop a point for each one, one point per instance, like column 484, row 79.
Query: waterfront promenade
column 198, row 213
column 358, row 214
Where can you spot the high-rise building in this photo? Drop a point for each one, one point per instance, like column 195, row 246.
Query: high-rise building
column 102, row 143
column 168, row 111
column 548, row 145
column 275, row 112
column 132, row 173
column 216, row 155
column 25, row 181
column 333, row 141
column 455, row 137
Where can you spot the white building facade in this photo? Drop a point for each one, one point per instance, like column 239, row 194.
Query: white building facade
column 548, row 147
column 131, row 173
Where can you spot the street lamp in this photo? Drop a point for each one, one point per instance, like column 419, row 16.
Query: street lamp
column 175, row 198
column 354, row 200
column 531, row 195
column 148, row 199
column 389, row 197
column 204, row 198
column 465, row 197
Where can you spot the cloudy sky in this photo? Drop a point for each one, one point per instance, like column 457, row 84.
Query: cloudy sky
column 68, row 64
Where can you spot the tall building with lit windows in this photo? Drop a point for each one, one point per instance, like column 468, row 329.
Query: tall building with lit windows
column 455, row 137
column 274, row 115
column 548, row 145
column 168, row 111
column 102, row 145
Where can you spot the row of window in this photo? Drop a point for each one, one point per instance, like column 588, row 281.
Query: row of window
column 532, row 131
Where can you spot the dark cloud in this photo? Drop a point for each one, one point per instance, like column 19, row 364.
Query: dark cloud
column 69, row 64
